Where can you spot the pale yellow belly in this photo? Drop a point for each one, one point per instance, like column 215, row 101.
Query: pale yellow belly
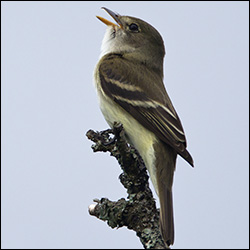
column 140, row 137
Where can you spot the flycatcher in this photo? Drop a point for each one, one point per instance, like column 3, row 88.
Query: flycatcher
column 129, row 83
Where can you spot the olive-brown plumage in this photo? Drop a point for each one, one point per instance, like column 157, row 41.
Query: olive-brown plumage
column 129, row 82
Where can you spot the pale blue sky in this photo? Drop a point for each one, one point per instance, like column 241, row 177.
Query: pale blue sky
column 50, row 174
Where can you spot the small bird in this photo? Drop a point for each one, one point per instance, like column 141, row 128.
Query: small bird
column 129, row 83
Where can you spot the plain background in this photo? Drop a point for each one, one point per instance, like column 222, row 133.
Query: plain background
column 50, row 174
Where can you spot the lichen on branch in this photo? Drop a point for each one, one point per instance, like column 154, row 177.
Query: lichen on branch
column 138, row 212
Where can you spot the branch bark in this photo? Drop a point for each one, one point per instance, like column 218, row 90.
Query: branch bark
column 138, row 212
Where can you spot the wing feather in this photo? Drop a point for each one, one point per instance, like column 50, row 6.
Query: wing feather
column 155, row 115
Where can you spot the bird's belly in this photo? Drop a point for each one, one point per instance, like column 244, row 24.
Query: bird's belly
column 140, row 137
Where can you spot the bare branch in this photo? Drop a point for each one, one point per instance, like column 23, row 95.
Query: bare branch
column 138, row 212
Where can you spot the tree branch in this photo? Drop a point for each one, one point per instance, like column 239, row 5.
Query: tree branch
column 138, row 212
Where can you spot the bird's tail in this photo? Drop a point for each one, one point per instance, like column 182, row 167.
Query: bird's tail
column 166, row 214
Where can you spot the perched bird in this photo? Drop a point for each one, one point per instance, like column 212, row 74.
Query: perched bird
column 129, row 83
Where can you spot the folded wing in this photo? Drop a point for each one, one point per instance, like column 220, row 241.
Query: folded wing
column 156, row 115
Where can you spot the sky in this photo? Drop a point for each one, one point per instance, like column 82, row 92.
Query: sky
column 49, row 173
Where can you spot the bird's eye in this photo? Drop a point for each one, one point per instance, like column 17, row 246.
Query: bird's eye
column 133, row 27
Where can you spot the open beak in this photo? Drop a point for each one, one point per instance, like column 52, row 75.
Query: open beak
column 115, row 16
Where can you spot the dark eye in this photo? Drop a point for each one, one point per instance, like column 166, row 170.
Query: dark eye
column 133, row 27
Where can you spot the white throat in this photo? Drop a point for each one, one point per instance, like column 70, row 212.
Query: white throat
column 113, row 42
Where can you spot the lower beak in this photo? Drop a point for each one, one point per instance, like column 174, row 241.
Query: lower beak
column 115, row 16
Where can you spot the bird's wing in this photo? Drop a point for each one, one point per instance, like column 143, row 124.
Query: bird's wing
column 153, row 114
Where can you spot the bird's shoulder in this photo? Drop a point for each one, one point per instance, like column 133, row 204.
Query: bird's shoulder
column 133, row 74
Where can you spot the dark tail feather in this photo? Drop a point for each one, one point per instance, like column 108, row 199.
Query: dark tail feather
column 166, row 215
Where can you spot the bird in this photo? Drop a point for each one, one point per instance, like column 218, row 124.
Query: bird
column 129, row 81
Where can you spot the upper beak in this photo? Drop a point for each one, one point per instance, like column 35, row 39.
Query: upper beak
column 115, row 16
